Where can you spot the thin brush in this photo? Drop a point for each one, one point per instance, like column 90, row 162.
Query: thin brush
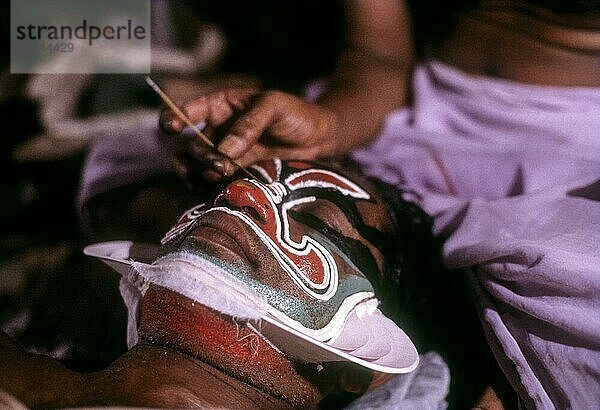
column 190, row 124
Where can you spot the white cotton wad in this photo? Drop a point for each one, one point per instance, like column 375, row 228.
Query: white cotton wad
column 194, row 277
column 187, row 274
column 202, row 281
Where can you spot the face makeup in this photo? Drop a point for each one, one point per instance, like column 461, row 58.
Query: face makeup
column 294, row 251
column 299, row 238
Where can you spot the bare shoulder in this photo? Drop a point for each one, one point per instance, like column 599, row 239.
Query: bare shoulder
column 526, row 43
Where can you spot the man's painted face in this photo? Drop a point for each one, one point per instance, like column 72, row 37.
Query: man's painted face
column 304, row 236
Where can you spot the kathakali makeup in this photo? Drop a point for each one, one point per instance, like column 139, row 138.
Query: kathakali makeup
column 299, row 237
column 294, row 255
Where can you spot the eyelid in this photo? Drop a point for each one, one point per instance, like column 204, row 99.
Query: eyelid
column 343, row 224
column 372, row 261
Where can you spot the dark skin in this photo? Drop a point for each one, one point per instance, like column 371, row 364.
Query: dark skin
column 505, row 39
column 513, row 40
column 147, row 375
column 188, row 356
column 193, row 356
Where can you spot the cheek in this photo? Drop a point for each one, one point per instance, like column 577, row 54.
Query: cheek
column 267, row 271
column 349, row 234
column 355, row 262
column 375, row 215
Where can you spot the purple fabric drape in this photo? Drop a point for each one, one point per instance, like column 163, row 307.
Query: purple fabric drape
column 510, row 173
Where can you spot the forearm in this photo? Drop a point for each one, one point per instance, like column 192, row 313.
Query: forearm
column 372, row 79
column 363, row 95
column 374, row 71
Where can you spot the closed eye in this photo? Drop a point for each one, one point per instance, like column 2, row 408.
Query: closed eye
column 353, row 248
column 328, row 213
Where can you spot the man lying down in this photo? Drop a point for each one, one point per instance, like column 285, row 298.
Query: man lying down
column 266, row 295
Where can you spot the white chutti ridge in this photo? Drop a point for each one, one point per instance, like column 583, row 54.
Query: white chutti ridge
column 366, row 336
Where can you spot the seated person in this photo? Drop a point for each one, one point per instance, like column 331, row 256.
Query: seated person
column 253, row 294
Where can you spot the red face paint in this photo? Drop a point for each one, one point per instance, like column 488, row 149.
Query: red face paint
column 264, row 207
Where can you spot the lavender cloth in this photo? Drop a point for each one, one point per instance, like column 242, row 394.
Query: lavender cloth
column 509, row 173
column 425, row 388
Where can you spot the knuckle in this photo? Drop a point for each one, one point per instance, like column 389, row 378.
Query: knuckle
column 219, row 95
column 248, row 121
column 246, row 127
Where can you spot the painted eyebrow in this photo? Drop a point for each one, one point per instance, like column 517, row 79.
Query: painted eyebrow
column 352, row 248
column 379, row 239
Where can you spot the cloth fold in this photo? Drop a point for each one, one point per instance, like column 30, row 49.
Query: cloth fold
column 511, row 174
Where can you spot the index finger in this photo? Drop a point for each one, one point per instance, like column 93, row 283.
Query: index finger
column 215, row 108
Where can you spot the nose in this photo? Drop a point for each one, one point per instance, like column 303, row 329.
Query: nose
column 246, row 197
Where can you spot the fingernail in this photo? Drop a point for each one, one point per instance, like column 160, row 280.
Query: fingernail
column 232, row 146
column 224, row 168
column 172, row 124
column 229, row 169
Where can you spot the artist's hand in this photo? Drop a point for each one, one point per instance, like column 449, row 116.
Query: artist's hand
column 249, row 125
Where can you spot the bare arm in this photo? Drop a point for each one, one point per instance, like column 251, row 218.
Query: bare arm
column 38, row 381
column 373, row 75
column 372, row 79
